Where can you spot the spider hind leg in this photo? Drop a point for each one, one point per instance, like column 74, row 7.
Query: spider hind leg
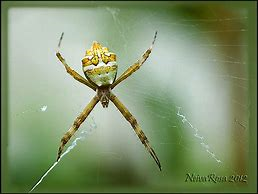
column 76, row 124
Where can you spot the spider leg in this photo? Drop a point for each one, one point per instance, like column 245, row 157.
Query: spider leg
column 130, row 118
column 69, row 70
column 78, row 121
column 136, row 65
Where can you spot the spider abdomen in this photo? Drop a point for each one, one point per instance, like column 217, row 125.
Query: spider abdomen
column 99, row 65
column 101, row 74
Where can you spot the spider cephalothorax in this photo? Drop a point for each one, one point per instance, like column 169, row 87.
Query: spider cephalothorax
column 100, row 68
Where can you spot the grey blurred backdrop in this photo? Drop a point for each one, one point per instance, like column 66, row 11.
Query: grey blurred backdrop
column 199, row 66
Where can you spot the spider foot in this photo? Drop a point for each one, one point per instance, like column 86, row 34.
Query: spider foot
column 153, row 154
column 60, row 150
column 64, row 140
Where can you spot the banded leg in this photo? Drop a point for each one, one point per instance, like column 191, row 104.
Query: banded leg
column 69, row 70
column 130, row 118
column 136, row 65
column 78, row 121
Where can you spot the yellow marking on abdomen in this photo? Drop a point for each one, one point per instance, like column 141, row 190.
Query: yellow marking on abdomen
column 103, row 75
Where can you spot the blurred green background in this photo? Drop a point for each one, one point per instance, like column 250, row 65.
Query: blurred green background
column 203, row 64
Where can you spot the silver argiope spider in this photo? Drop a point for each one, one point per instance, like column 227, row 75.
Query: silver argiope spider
column 100, row 68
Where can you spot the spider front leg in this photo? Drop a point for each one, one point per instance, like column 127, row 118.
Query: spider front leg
column 130, row 118
column 78, row 121
column 69, row 70
column 136, row 65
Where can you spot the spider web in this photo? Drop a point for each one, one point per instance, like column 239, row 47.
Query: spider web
column 198, row 68
column 190, row 97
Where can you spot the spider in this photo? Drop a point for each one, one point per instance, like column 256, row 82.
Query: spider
column 100, row 69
